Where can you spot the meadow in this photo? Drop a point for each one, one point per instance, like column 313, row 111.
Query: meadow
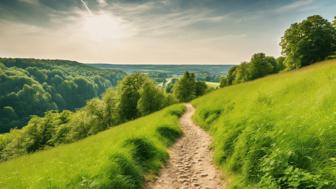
column 120, row 157
column 275, row 132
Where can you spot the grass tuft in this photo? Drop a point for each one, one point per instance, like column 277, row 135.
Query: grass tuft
column 168, row 134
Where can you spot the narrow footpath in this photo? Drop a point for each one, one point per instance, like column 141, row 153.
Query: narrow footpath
column 190, row 165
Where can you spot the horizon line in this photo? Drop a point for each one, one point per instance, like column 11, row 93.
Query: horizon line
column 121, row 63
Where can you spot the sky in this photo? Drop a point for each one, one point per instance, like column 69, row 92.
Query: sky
column 150, row 31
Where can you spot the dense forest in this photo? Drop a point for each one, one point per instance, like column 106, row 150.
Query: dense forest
column 32, row 87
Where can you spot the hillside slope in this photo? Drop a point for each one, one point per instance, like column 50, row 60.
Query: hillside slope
column 116, row 158
column 32, row 87
column 276, row 132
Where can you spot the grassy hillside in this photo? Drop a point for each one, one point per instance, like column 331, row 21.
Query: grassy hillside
column 116, row 158
column 276, row 132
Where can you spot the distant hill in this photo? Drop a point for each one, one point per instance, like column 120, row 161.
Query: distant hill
column 160, row 72
column 33, row 86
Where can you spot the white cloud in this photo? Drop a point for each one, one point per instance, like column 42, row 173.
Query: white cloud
column 296, row 5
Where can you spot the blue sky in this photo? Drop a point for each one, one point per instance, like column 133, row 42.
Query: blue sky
column 150, row 31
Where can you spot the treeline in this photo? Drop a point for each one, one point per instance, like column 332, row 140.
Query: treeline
column 32, row 87
column 304, row 43
column 135, row 95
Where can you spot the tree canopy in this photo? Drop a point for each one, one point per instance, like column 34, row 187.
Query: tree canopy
column 307, row 42
column 187, row 88
column 134, row 96
column 259, row 66
column 32, row 87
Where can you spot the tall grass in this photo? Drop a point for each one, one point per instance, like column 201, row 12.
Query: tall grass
column 119, row 158
column 276, row 132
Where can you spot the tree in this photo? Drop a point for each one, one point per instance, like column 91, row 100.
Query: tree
column 129, row 94
column 231, row 75
column 184, row 88
column 170, row 85
column 200, row 88
column 151, row 98
column 242, row 73
column 280, row 63
column 308, row 41
column 110, row 109
column 261, row 65
column 223, row 82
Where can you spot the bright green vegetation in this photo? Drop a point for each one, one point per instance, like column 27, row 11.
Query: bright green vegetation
column 32, row 87
column 120, row 157
column 259, row 66
column 309, row 41
column 276, row 132
column 135, row 95
column 187, row 87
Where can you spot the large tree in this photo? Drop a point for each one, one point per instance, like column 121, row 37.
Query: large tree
column 184, row 89
column 151, row 99
column 129, row 94
column 308, row 41
column 262, row 65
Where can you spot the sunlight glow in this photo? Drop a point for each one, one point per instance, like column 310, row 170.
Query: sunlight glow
column 102, row 27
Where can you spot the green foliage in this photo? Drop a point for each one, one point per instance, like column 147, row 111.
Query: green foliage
column 151, row 99
column 276, row 132
column 32, row 87
column 187, row 88
column 119, row 157
column 259, row 66
column 184, row 89
column 139, row 95
column 129, row 91
column 200, row 88
column 97, row 115
column 262, row 65
column 309, row 41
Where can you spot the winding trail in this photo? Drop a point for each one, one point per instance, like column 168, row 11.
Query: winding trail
column 190, row 164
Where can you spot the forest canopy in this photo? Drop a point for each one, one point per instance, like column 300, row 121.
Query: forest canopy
column 32, row 87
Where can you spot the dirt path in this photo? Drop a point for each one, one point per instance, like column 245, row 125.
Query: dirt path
column 190, row 164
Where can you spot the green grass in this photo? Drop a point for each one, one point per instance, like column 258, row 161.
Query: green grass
column 276, row 132
column 120, row 157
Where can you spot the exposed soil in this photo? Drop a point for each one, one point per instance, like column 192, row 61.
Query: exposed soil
column 190, row 164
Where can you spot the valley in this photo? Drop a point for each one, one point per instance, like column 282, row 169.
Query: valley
column 168, row 94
